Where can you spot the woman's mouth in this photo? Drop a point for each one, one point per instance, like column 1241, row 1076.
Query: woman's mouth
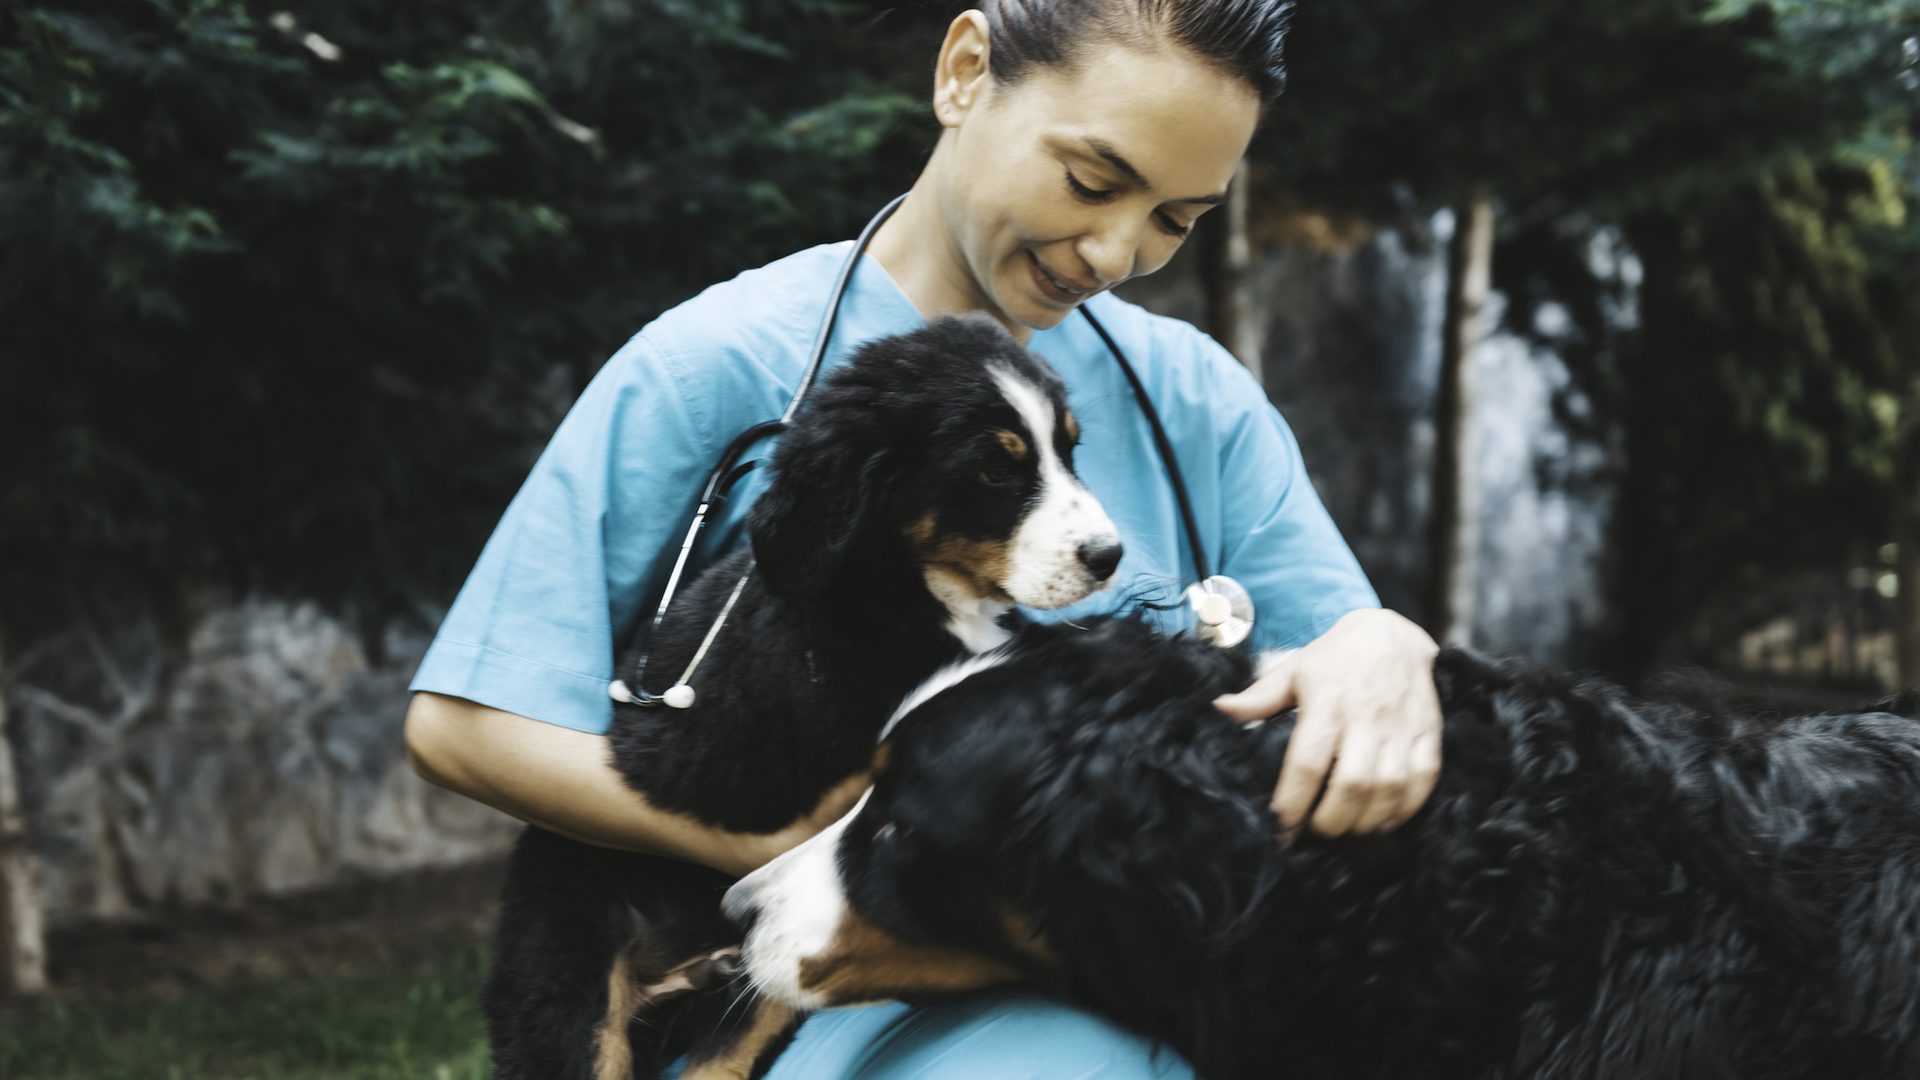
column 1055, row 288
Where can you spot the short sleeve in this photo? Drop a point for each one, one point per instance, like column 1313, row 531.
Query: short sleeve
column 532, row 630
column 1277, row 538
column 1259, row 518
column 588, row 542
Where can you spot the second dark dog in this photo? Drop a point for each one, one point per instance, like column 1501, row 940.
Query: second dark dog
column 1599, row 888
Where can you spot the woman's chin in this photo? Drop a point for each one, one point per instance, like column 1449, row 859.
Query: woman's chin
column 1035, row 311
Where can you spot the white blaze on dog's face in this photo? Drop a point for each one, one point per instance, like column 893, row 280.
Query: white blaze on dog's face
column 1012, row 523
column 1052, row 562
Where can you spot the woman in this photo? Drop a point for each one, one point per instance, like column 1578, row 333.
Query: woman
column 1082, row 141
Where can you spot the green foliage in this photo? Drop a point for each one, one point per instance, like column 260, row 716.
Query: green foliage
column 369, row 1027
column 1598, row 105
column 291, row 293
column 1757, row 415
column 1750, row 155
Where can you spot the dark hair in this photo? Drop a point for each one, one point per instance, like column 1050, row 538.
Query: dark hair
column 1242, row 38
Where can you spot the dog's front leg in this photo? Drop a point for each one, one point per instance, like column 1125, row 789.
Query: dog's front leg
column 745, row 1043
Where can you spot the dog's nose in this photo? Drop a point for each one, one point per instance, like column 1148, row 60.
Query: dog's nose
column 1101, row 559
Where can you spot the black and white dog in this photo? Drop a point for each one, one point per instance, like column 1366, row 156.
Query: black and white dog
column 1598, row 888
column 926, row 486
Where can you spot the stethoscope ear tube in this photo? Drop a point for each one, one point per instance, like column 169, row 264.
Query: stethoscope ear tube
column 1222, row 607
column 833, row 306
column 727, row 472
column 1162, row 444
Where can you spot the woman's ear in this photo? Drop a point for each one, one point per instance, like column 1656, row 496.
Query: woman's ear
column 961, row 71
column 830, row 474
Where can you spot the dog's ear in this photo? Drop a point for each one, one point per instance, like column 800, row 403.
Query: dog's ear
column 830, row 475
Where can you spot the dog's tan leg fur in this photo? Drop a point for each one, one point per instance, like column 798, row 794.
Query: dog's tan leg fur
column 736, row 1062
column 613, row 1058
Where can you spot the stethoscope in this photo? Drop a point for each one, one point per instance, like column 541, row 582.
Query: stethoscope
column 1222, row 608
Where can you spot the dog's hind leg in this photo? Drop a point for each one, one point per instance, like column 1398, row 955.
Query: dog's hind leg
column 562, row 928
column 591, row 947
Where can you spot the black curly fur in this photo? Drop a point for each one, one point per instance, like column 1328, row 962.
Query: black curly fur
column 833, row 628
column 1598, row 888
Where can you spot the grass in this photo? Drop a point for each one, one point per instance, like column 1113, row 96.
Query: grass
column 424, row 1025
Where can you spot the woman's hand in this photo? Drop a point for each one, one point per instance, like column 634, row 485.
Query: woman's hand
column 1368, row 712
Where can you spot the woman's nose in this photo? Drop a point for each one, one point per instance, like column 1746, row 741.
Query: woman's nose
column 1110, row 253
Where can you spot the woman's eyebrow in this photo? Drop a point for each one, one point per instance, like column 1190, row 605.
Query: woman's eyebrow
column 1105, row 151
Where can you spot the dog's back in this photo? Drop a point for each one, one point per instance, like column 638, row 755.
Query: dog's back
column 1605, row 887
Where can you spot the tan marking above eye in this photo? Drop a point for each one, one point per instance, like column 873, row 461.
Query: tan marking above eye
column 1072, row 424
column 1014, row 444
column 881, row 755
column 865, row 963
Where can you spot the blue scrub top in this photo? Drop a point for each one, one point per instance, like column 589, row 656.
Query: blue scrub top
column 992, row 1035
column 586, row 545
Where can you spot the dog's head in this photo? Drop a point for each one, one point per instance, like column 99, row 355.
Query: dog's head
column 958, row 443
column 1070, row 810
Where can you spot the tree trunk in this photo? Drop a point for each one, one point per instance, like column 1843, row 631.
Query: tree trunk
column 1906, row 491
column 1453, row 522
column 23, row 947
column 1233, row 317
column 1906, row 535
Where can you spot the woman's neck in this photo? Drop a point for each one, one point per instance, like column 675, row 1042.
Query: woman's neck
column 917, row 249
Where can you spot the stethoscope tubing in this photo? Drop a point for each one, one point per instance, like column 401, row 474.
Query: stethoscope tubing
column 727, row 472
column 1168, row 460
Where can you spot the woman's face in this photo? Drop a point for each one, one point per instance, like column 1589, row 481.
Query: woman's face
column 1073, row 180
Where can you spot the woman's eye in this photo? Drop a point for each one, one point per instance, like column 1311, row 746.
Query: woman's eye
column 1093, row 195
column 998, row 476
column 1174, row 228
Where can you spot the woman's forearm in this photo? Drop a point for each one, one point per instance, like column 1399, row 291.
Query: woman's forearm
column 564, row 781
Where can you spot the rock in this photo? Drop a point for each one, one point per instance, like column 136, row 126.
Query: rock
column 259, row 754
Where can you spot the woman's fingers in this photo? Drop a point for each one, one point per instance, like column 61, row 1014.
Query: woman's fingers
column 1368, row 730
column 1423, row 772
column 1309, row 756
column 1268, row 695
column 1386, row 786
column 1350, row 787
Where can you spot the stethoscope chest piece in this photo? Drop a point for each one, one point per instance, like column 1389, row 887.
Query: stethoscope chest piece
column 1222, row 610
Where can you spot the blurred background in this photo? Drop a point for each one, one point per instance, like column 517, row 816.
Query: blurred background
column 1598, row 320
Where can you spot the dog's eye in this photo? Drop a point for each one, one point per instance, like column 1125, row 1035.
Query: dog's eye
column 889, row 831
column 998, row 476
